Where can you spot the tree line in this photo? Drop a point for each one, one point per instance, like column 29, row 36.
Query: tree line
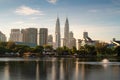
column 100, row 49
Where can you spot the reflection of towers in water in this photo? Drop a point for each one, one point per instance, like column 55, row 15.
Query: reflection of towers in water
column 55, row 74
column 83, row 71
column 61, row 70
column 77, row 70
column 6, row 74
column 37, row 70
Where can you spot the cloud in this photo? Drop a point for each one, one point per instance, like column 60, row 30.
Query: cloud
column 24, row 10
column 52, row 1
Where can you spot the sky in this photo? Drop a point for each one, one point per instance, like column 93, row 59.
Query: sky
column 100, row 18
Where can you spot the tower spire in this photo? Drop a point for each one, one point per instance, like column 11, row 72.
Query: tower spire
column 66, row 33
column 57, row 33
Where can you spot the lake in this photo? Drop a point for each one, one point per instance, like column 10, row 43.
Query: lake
column 59, row 69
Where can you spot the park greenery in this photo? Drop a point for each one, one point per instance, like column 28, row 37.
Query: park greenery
column 99, row 50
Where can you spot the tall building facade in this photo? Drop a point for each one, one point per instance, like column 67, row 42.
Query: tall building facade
column 43, row 36
column 57, row 34
column 29, row 35
column 66, row 34
column 87, row 40
column 16, row 35
column 72, row 40
column 50, row 40
column 2, row 37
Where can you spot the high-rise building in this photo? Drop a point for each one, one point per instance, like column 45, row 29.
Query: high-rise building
column 57, row 34
column 87, row 40
column 72, row 40
column 29, row 35
column 50, row 40
column 15, row 35
column 43, row 36
column 66, row 34
column 2, row 37
column 71, row 34
column 86, row 37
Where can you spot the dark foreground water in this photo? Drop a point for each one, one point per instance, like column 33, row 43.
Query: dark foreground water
column 58, row 69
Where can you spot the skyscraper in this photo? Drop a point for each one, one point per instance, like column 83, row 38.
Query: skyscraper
column 2, row 37
column 50, row 40
column 43, row 36
column 29, row 35
column 66, row 33
column 72, row 40
column 66, row 29
column 57, row 34
column 15, row 35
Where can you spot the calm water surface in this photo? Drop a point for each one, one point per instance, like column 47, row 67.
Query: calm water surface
column 58, row 69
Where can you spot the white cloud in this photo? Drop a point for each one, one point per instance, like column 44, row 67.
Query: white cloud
column 24, row 10
column 52, row 1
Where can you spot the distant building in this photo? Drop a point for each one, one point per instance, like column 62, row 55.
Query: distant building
column 57, row 34
column 50, row 40
column 87, row 40
column 16, row 35
column 43, row 36
column 115, row 42
column 29, row 35
column 72, row 41
column 66, row 34
column 2, row 37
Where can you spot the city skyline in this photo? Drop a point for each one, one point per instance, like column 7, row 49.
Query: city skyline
column 98, row 17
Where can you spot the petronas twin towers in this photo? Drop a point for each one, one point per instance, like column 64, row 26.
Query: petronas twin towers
column 58, row 34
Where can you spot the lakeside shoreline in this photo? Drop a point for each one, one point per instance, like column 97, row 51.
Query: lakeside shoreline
column 61, row 56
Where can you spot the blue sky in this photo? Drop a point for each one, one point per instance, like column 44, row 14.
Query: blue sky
column 100, row 18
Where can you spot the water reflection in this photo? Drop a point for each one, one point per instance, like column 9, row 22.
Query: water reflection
column 76, row 69
column 6, row 71
column 61, row 70
column 58, row 69
column 37, row 70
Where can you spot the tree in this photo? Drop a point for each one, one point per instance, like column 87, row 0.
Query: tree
column 21, row 49
column 91, row 51
column 10, row 46
column 101, row 48
column 66, row 51
column 117, row 50
column 48, row 47
column 3, row 44
column 39, row 49
column 82, row 51
column 59, row 51
column 2, row 50
column 74, row 50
